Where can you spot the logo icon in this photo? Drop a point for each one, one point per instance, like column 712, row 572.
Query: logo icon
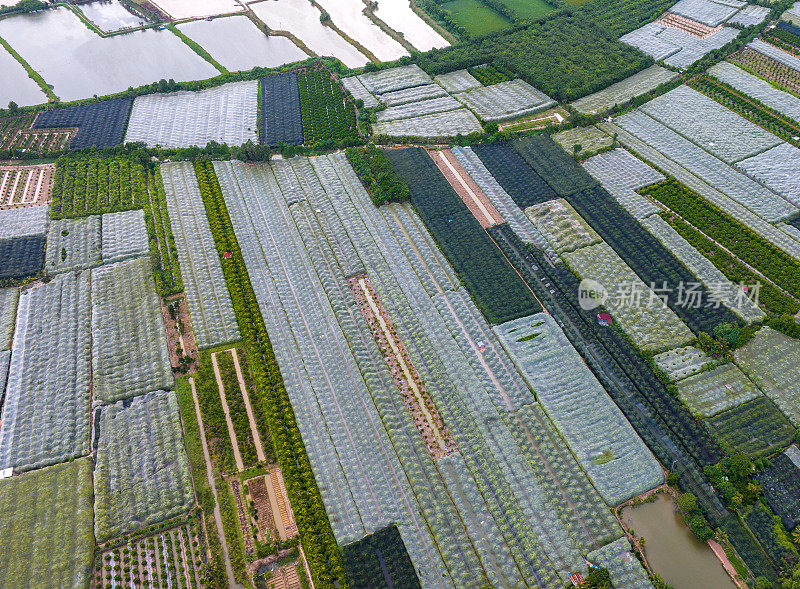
column 591, row 294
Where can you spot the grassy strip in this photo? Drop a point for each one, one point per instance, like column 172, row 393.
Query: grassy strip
column 771, row 298
column 748, row 107
column 238, row 411
column 197, row 49
column 32, row 73
column 745, row 243
column 233, row 530
column 217, row 435
column 258, row 410
column 322, row 552
column 163, row 252
column 214, row 569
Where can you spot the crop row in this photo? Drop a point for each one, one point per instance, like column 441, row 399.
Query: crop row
column 502, row 201
column 225, row 114
column 163, row 251
column 213, row 319
column 725, row 230
column 124, row 236
column 756, row 428
column 142, row 473
column 377, row 175
column 760, row 91
column 760, row 200
column 488, row 277
column 173, row 558
column 439, row 124
column 780, row 483
column 281, row 114
column 474, row 378
column 505, row 101
column 359, row 485
column 715, row 390
column 326, row 113
column 674, row 436
column 237, row 408
column 749, row 108
column 21, row 257
column 319, row 544
column 767, row 68
column 92, row 185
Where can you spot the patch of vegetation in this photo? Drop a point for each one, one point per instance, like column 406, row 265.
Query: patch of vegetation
column 377, row 175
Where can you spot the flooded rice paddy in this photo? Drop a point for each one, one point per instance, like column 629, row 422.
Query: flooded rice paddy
column 349, row 17
column 198, row 8
column 238, row 45
column 111, row 15
column 80, row 63
column 399, row 15
column 301, row 18
column 16, row 85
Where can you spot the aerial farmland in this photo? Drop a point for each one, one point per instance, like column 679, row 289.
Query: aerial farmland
column 400, row 293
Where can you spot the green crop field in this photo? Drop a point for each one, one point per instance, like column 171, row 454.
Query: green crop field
column 532, row 8
column 476, row 18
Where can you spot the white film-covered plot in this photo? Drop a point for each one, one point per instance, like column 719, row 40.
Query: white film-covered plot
column 676, row 47
column 505, row 101
column 45, row 417
column 129, row 345
column 124, row 236
column 73, row 244
column 225, row 114
column 605, row 443
column 207, row 296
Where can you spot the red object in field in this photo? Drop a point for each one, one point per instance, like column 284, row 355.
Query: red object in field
column 227, row 255
column 576, row 579
column 604, row 319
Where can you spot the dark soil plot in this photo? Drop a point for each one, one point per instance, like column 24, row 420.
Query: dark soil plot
column 756, row 428
column 780, row 484
column 647, row 256
column 522, row 184
column 378, row 560
column 488, row 277
column 22, row 256
column 762, row 524
column 100, row 124
column 281, row 112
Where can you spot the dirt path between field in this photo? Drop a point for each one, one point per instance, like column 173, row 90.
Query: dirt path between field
column 217, row 516
column 719, row 552
column 249, row 408
column 221, row 386
column 466, row 188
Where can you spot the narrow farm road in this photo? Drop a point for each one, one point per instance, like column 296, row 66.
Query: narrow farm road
column 221, row 386
column 217, row 516
column 249, row 408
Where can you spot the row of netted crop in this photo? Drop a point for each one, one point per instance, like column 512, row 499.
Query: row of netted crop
column 488, row 277
column 320, row 547
column 747, row 106
column 163, row 252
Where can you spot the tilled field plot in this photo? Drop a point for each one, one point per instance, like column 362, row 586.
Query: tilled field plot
column 25, row 185
column 142, row 473
column 172, row 558
column 17, row 133
column 46, row 413
column 46, row 535
column 226, row 114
